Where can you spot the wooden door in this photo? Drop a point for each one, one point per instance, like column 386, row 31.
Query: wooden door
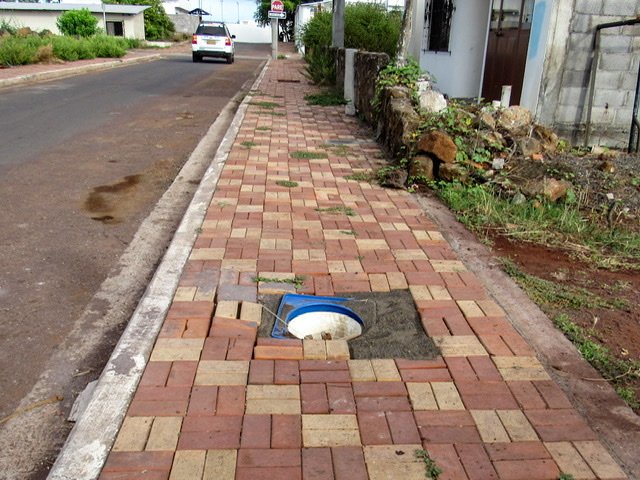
column 507, row 48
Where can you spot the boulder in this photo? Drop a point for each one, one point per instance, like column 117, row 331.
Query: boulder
column 485, row 120
column 439, row 145
column 549, row 188
column 515, row 120
column 529, row 146
column 451, row 172
column 547, row 138
column 422, row 166
column 430, row 100
column 394, row 178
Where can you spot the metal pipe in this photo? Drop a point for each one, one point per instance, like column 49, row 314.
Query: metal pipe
column 594, row 68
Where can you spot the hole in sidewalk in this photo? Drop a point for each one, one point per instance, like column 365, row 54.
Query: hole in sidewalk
column 287, row 80
column 391, row 326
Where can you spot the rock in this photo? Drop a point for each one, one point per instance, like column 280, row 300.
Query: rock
column 422, row 166
column 395, row 178
column 438, row 145
column 547, row 138
column 607, row 166
column 555, row 189
column 485, row 120
column 497, row 163
column 537, row 157
column 24, row 32
column 430, row 100
column 515, row 120
column 451, row 172
column 493, row 139
column 529, row 146
column 518, row 199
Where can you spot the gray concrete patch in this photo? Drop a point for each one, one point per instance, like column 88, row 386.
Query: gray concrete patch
column 89, row 443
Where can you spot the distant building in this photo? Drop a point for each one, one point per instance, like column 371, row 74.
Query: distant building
column 118, row 20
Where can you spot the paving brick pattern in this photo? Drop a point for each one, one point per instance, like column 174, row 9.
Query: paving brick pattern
column 216, row 402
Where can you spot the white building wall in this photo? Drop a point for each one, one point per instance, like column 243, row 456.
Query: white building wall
column 458, row 73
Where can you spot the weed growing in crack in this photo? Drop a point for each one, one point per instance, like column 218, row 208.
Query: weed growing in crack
column 348, row 211
column 286, row 183
column 303, row 155
column 248, row 144
column 297, row 281
column 431, row 469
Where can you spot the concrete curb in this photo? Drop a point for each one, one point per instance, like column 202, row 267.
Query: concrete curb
column 70, row 71
column 90, row 441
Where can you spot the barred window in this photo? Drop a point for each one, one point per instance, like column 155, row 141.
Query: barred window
column 438, row 14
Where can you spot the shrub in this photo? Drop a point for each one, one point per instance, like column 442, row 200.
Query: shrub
column 109, row 47
column 72, row 49
column 44, row 53
column 18, row 50
column 80, row 23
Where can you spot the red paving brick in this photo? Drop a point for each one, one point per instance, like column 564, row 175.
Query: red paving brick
column 262, row 227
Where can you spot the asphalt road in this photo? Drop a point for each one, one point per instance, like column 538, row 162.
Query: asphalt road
column 83, row 161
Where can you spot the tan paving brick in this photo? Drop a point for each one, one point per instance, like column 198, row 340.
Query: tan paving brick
column 448, row 266
column 517, row 425
column 520, row 368
column 268, row 244
column 421, row 396
column 385, row 370
column 184, row 294
column 188, row 464
column 220, row 372
column 330, row 430
column 361, row 371
column 205, row 294
column 220, row 465
column 386, row 462
column 372, row 244
column 470, row 309
column 175, row 349
column 379, row 282
column 314, row 349
column 164, row 433
column 397, row 281
column 489, row 426
column 459, row 345
column 569, row 460
column 251, row 312
column 447, row 396
column 133, row 434
column 207, row 254
column 490, row 308
column 413, row 254
column 420, row 293
column 439, row 292
column 273, row 399
column 353, row 266
column 239, row 265
column 599, row 460
column 227, row 309
column 337, row 350
column 336, row 266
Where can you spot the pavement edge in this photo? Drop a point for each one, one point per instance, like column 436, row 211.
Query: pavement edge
column 89, row 443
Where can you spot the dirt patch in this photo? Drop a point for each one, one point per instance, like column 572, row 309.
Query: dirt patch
column 392, row 327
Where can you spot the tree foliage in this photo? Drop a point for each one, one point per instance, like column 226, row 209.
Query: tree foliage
column 78, row 23
column 157, row 24
column 286, row 25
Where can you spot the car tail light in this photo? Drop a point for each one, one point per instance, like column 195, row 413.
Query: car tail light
column 194, row 39
column 227, row 41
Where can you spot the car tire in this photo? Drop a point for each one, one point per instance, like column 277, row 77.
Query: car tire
column 196, row 58
column 230, row 58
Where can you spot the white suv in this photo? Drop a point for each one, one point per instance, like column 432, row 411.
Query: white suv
column 212, row 39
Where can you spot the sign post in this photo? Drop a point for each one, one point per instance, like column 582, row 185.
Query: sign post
column 275, row 13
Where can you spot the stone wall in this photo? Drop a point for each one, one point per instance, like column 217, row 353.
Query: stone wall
column 367, row 65
column 185, row 23
column 616, row 76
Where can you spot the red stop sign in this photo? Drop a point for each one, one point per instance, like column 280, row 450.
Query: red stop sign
column 277, row 6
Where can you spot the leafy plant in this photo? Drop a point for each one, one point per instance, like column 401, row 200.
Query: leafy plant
column 365, row 176
column 248, row 144
column 431, row 469
column 392, row 75
column 78, row 23
column 565, row 476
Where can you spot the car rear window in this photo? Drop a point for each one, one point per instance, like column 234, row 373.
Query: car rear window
column 211, row 30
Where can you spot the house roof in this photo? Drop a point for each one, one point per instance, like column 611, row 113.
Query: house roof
column 63, row 7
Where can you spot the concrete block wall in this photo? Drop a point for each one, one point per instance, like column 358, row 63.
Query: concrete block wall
column 616, row 76
column 184, row 23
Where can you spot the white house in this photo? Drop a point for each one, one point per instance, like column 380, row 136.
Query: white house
column 545, row 50
column 119, row 20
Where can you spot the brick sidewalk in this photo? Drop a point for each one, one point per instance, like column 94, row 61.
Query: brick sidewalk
column 215, row 402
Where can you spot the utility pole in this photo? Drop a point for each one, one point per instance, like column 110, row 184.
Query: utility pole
column 337, row 33
column 405, row 34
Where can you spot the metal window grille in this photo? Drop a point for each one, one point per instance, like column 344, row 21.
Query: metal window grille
column 438, row 14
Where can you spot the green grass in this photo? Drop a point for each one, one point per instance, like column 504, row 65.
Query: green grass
column 265, row 105
column 349, row 232
column 303, row 155
column 432, row 470
column 297, row 281
column 557, row 225
column 366, row 176
column 348, row 211
column 326, row 98
column 614, row 370
column 554, row 295
column 263, row 129
column 286, row 183
column 248, row 144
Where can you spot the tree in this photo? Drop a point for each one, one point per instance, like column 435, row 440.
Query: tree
column 79, row 23
column 287, row 25
column 157, row 24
